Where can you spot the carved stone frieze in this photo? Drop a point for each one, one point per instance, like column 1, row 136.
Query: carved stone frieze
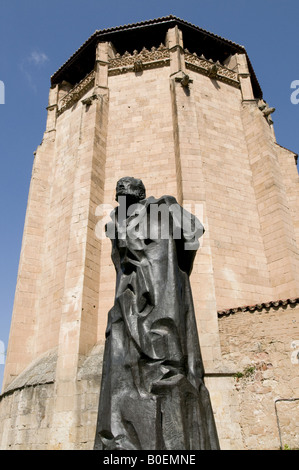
column 76, row 92
column 144, row 60
column 138, row 61
column 212, row 69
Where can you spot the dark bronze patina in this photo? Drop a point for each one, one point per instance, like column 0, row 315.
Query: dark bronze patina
column 153, row 396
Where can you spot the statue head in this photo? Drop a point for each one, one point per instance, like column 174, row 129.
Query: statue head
column 132, row 188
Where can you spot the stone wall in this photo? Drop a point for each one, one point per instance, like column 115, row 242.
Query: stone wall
column 263, row 346
column 256, row 406
column 140, row 144
column 25, row 418
column 27, row 407
column 190, row 128
column 200, row 143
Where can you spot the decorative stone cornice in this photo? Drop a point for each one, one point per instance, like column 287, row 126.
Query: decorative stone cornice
column 76, row 93
column 211, row 69
column 138, row 61
column 145, row 60
column 195, row 38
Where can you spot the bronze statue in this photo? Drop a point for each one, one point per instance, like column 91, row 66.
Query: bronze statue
column 152, row 394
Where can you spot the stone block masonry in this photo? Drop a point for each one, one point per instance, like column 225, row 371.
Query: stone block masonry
column 263, row 345
column 182, row 110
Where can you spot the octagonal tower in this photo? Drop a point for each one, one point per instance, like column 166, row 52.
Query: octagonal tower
column 180, row 108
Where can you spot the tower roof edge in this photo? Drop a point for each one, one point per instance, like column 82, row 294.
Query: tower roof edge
column 149, row 33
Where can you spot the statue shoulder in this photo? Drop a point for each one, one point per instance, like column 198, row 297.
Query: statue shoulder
column 168, row 200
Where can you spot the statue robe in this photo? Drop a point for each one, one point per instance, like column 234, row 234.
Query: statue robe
column 152, row 394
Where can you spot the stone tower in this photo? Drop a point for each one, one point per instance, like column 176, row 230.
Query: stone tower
column 182, row 109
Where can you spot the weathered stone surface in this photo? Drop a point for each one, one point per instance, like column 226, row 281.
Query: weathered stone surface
column 261, row 345
column 204, row 140
column 91, row 368
column 27, row 418
column 40, row 372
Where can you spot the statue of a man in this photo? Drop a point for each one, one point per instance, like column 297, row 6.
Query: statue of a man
column 152, row 394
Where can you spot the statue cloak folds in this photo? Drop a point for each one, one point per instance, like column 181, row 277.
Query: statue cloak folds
column 152, row 394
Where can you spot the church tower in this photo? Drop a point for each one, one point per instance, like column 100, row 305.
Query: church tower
column 182, row 109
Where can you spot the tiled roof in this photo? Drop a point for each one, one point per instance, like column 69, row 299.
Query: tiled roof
column 163, row 20
column 259, row 307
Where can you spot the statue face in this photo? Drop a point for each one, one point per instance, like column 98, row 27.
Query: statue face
column 130, row 187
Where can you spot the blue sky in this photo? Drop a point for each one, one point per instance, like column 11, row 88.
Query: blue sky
column 37, row 37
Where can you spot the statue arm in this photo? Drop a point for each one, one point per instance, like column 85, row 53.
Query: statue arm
column 187, row 229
